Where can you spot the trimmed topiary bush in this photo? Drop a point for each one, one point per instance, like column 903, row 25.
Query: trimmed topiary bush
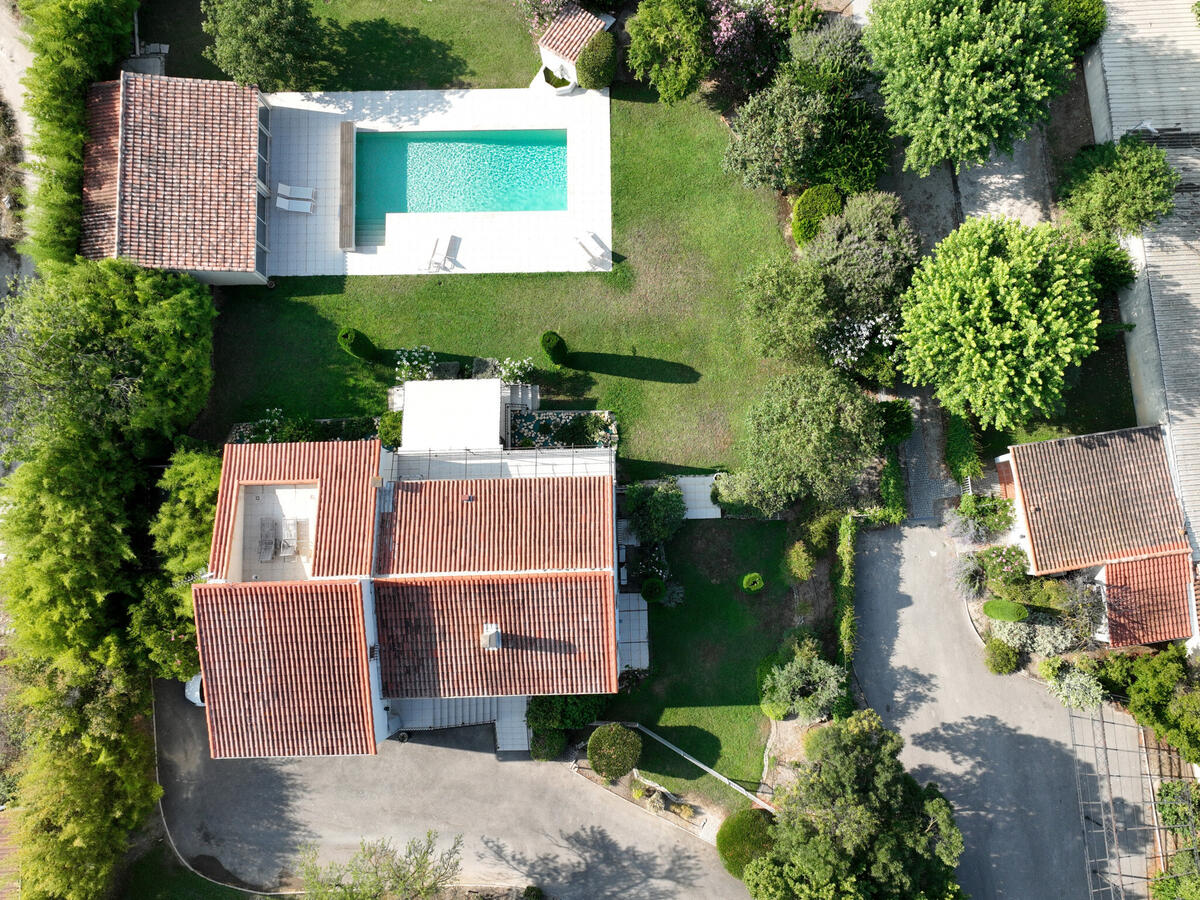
column 752, row 583
column 811, row 208
column 597, row 62
column 1001, row 658
column 743, row 837
column 357, row 344
column 1005, row 610
column 548, row 744
column 554, row 347
column 613, row 750
column 391, row 427
column 653, row 590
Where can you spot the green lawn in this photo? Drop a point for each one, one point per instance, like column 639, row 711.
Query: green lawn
column 657, row 340
column 380, row 44
column 159, row 876
column 704, row 656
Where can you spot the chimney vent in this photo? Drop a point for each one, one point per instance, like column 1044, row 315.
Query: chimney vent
column 490, row 639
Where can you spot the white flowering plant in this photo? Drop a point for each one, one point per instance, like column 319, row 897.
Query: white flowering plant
column 514, row 371
column 414, row 363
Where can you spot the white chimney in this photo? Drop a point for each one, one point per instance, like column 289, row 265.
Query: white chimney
column 490, row 639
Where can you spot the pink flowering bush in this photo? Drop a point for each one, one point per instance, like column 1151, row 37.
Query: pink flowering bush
column 539, row 13
column 749, row 39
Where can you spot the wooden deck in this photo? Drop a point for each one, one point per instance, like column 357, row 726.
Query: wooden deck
column 346, row 185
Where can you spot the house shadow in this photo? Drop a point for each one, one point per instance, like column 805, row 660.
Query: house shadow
column 590, row 862
column 380, row 55
column 640, row 368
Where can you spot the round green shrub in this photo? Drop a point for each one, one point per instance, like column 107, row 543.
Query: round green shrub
column 391, row 427
column 743, row 837
column 554, row 347
column 1001, row 658
column 811, row 208
column 653, row 590
column 752, row 583
column 548, row 744
column 1005, row 610
column 597, row 62
column 356, row 344
column 1083, row 20
column 613, row 750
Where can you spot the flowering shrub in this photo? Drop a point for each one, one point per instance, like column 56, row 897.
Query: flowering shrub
column 749, row 39
column 539, row 13
column 414, row 364
column 1004, row 565
column 513, row 371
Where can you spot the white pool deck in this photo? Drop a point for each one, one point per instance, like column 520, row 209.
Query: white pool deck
column 305, row 152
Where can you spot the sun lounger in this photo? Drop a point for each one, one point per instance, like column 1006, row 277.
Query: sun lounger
column 296, row 193
column 300, row 206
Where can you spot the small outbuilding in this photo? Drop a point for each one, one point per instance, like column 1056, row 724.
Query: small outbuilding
column 565, row 37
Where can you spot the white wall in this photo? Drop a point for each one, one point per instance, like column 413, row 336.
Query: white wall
column 559, row 66
column 209, row 276
column 1141, row 344
column 1097, row 91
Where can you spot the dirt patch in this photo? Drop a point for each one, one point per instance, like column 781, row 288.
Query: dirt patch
column 785, row 749
column 813, row 599
column 713, row 553
column 1069, row 128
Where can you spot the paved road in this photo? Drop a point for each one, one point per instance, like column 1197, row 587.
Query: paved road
column 245, row 821
column 999, row 747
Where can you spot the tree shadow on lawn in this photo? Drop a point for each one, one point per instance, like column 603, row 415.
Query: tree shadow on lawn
column 379, row 55
column 640, row 368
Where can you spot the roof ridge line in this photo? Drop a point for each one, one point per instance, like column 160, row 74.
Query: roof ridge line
column 489, row 573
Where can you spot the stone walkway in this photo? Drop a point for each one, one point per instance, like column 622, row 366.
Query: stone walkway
column 928, row 480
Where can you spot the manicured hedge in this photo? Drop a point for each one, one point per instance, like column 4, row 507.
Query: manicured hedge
column 842, row 576
column 555, row 348
column 597, row 63
column 391, row 427
column 563, row 711
column 613, row 750
column 547, row 744
column 74, row 43
column 743, row 837
column 357, row 344
column 1005, row 610
column 811, row 208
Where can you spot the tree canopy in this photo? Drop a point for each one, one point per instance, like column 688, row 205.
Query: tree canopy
column 667, row 46
column 380, row 869
column 995, row 318
column 963, row 76
column 855, row 824
column 656, row 511
column 810, row 433
column 275, row 44
column 1119, row 187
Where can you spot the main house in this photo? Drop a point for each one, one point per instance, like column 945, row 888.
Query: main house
column 357, row 590
column 1107, row 505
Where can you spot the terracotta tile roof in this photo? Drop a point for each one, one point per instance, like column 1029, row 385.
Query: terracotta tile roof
column 570, row 31
column 1098, row 498
column 187, row 190
column 558, row 635
column 498, row 525
column 1004, row 480
column 285, row 669
column 1149, row 600
column 342, row 470
column 98, row 235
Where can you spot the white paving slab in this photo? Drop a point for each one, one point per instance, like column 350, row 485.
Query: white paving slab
column 697, row 497
column 305, row 150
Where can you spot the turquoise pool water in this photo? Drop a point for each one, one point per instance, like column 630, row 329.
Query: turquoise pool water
column 456, row 171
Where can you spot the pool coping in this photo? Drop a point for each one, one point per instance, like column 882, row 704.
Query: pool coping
column 305, row 151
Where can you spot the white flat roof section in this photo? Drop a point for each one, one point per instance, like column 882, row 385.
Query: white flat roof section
column 306, row 151
column 438, row 465
column 453, row 414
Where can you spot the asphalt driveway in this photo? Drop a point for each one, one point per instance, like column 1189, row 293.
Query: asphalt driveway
column 244, row 822
column 998, row 746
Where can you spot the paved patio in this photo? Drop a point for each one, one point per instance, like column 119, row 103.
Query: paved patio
column 305, row 151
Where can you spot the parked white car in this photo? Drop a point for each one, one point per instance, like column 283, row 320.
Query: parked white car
column 193, row 689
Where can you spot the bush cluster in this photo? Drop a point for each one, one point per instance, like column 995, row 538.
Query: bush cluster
column 1119, row 187
column 1163, row 695
column 805, row 685
column 743, row 837
column 1084, row 21
column 892, row 492
column 962, row 452
column 597, row 63
column 276, row 428
column 655, row 510
column 842, row 576
column 1071, row 686
column 551, row 717
column 1001, row 658
column 613, row 750
column 811, row 208
column 391, row 428
column 981, row 516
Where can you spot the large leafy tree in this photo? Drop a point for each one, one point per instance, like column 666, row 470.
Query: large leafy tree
column 855, row 824
column 380, row 869
column 810, row 433
column 1119, row 187
column 105, row 346
column 995, row 318
column 668, row 46
column 275, row 44
column 963, row 76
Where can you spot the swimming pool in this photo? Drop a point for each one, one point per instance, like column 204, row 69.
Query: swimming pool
column 455, row 171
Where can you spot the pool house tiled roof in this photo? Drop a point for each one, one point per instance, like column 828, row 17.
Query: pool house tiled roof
column 570, row 32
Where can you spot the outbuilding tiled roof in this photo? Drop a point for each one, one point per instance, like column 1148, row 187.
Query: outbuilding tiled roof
column 285, row 669
column 179, row 190
column 558, row 635
column 343, row 471
column 570, row 31
column 1098, row 498
column 498, row 525
column 1149, row 600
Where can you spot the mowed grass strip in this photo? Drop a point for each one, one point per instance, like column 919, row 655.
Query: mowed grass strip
column 704, row 655
column 658, row 340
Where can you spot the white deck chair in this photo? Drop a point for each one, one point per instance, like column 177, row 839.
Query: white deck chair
column 300, row 206
column 296, row 193
column 437, row 260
